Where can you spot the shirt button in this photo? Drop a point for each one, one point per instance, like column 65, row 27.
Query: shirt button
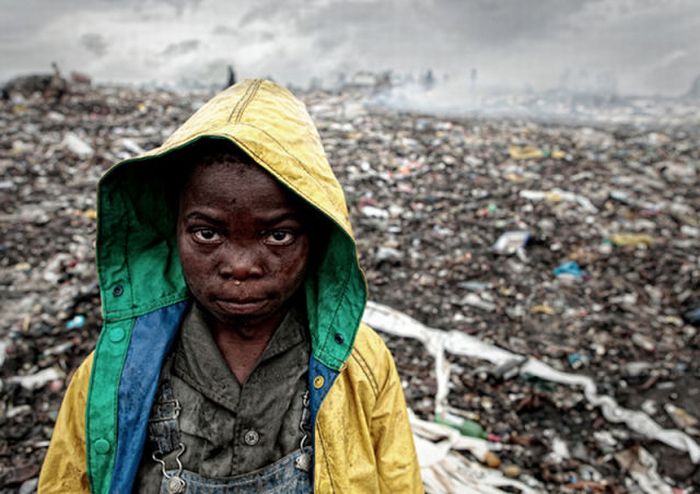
column 251, row 438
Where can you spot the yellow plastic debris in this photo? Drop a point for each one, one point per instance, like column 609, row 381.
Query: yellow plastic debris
column 525, row 152
column 90, row 213
column 558, row 154
column 542, row 309
column 22, row 266
column 553, row 196
column 533, row 153
column 635, row 239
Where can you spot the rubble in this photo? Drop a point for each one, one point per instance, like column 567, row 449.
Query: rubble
column 574, row 247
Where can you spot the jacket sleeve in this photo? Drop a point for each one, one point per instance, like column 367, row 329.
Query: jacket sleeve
column 395, row 453
column 65, row 466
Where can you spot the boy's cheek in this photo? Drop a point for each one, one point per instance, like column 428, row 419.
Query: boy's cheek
column 198, row 273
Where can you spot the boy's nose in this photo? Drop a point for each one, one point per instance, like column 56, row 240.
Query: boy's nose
column 240, row 264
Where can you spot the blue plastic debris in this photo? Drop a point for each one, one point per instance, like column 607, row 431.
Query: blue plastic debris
column 577, row 360
column 570, row 268
column 76, row 323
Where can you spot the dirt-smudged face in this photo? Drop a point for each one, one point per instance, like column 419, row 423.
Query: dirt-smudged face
column 242, row 242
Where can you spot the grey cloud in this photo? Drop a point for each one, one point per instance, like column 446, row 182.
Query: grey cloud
column 94, row 43
column 181, row 48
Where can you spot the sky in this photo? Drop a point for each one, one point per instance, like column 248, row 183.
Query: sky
column 649, row 47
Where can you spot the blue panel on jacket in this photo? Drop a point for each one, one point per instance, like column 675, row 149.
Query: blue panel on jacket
column 151, row 340
column 317, row 395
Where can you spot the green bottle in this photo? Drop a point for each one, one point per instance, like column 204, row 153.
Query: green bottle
column 466, row 427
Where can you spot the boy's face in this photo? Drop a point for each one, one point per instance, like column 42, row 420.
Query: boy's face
column 242, row 241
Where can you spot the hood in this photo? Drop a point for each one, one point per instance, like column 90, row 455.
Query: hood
column 138, row 264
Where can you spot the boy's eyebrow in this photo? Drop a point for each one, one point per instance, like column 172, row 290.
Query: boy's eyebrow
column 196, row 215
column 279, row 217
column 274, row 218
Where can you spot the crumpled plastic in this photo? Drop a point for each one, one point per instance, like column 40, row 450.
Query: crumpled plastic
column 437, row 342
column 445, row 471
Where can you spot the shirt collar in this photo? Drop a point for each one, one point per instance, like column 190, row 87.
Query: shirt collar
column 199, row 360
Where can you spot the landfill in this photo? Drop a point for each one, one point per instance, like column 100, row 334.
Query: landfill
column 545, row 278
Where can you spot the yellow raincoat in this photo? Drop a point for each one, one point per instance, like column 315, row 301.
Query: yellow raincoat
column 362, row 438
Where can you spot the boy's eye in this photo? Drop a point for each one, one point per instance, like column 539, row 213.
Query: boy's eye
column 279, row 237
column 206, row 235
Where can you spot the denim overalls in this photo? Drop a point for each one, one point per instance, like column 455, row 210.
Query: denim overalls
column 290, row 474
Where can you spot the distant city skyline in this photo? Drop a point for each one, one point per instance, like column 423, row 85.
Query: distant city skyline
column 622, row 46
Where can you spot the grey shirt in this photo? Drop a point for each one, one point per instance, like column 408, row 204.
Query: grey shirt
column 229, row 429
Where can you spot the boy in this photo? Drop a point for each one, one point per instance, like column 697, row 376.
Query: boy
column 232, row 357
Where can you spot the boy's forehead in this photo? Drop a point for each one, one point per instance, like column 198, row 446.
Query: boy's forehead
column 229, row 175
column 217, row 159
column 231, row 170
column 205, row 163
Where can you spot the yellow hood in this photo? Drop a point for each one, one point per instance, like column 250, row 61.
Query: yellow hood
column 273, row 127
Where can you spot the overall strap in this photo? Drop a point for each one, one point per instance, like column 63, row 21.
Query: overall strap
column 164, row 430
column 163, row 427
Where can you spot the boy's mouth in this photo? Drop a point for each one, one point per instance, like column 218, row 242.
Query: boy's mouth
column 242, row 305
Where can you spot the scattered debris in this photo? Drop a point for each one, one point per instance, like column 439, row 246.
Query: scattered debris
column 511, row 242
column 77, row 322
column 38, row 380
column 77, row 146
column 437, row 342
column 569, row 269
column 642, row 468
column 682, row 419
column 571, row 256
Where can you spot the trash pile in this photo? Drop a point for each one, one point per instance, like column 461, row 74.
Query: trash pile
column 576, row 248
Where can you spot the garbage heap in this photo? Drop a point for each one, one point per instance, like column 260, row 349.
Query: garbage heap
column 576, row 246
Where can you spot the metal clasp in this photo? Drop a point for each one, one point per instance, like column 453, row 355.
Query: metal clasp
column 175, row 484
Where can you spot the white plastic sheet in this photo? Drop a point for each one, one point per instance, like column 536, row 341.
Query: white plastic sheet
column 41, row 378
column 436, row 341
